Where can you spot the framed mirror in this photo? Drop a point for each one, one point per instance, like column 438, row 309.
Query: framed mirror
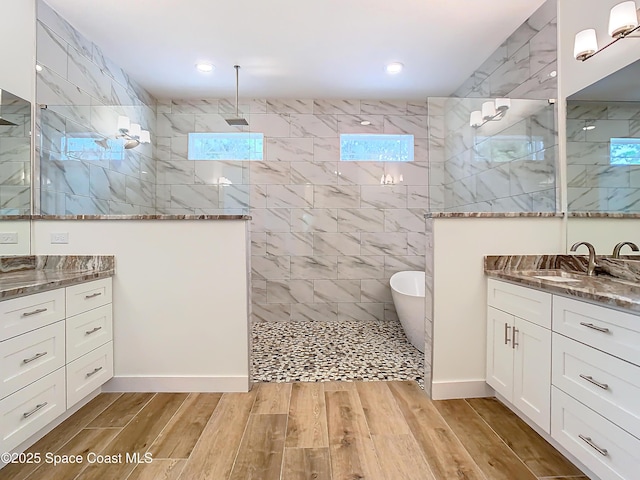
column 15, row 155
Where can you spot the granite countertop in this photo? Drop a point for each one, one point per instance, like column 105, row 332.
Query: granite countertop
column 492, row 214
column 617, row 283
column 24, row 275
column 139, row 217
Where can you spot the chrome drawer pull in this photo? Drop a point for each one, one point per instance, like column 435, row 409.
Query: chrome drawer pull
column 38, row 407
column 35, row 357
column 507, row 327
column 603, row 386
column 588, row 441
column 594, row 327
column 95, row 370
column 38, row 310
column 97, row 294
column 515, row 343
column 89, row 332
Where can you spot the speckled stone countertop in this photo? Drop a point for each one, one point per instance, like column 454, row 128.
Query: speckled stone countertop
column 27, row 274
column 616, row 283
column 140, row 217
column 491, row 214
column 603, row 215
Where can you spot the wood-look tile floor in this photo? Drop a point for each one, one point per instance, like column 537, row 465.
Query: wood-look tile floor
column 330, row 430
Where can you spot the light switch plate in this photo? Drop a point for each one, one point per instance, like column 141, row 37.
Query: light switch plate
column 60, row 237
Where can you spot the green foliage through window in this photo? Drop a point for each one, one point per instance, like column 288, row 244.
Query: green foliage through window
column 376, row 148
column 624, row 151
column 226, row 146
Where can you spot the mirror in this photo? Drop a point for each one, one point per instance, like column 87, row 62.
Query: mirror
column 15, row 155
column 603, row 161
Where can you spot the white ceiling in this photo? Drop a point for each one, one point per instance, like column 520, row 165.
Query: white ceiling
column 298, row 48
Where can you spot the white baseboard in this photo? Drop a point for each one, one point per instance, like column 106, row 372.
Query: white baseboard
column 177, row 384
column 466, row 389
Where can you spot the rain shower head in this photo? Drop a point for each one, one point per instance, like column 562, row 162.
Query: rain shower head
column 237, row 120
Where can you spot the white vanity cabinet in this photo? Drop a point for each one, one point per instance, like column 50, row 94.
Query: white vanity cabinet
column 519, row 348
column 56, row 347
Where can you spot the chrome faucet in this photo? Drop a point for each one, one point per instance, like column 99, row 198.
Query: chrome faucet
column 591, row 267
column 616, row 249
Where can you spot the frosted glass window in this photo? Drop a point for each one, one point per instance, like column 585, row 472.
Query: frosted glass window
column 376, row 148
column 226, row 146
column 625, row 151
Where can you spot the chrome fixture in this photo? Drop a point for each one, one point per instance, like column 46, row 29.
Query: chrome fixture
column 623, row 21
column 492, row 111
column 616, row 249
column 591, row 267
column 131, row 132
column 238, row 121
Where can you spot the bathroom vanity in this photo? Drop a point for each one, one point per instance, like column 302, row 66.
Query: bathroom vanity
column 563, row 351
column 56, row 340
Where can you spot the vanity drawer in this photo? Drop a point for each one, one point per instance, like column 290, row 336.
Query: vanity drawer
column 23, row 314
column 88, row 372
column 522, row 302
column 86, row 296
column 604, row 448
column 26, row 358
column 30, row 409
column 606, row 384
column 611, row 331
column 88, row 331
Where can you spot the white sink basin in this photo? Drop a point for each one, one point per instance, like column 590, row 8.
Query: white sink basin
column 556, row 278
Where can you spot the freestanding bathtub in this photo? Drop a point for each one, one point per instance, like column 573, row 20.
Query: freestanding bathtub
column 407, row 290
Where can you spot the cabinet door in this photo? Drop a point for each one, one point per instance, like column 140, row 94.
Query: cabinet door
column 532, row 372
column 500, row 352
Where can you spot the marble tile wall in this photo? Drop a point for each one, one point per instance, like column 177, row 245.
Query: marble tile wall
column 326, row 236
column 15, row 167
column 524, row 65
column 84, row 92
column 594, row 183
column 503, row 166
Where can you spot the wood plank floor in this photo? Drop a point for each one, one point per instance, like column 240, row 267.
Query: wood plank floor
column 322, row 431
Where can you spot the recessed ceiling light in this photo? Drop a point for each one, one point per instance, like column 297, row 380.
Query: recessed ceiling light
column 204, row 67
column 393, row 68
column 365, row 122
column 553, row 74
column 38, row 68
column 589, row 127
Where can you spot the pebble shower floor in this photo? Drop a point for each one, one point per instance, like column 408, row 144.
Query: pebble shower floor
column 323, row 351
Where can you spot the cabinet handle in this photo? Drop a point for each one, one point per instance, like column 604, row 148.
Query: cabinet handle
column 89, row 332
column 603, row 386
column 507, row 327
column 35, row 357
column 38, row 407
column 588, row 441
column 595, row 327
column 515, row 343
column 97, row 294
column 38, row 310
column 95, row 370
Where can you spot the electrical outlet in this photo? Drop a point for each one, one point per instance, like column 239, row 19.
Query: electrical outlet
column 8, row 237
column 60, row 237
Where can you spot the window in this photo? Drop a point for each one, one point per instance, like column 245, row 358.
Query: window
column 507, row 148
column 90, row 149
column 225, row 146
column 624, row 151
column 376, row 148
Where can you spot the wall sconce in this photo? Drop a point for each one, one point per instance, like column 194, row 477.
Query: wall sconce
column 492, row 111
column 132, row 133
column 623, row 21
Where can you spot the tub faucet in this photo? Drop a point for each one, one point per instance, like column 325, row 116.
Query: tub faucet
column 616, row 249
column 591, row 267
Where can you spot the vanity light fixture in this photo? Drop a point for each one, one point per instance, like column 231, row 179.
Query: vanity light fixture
column 204, row 67
column 623, row 21
column 394, row 68
column 492, row 111
column 132, row 133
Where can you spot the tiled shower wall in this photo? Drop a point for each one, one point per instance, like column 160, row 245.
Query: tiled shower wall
column 84, row 92
column 594, row 184
column 326, row 235
column 524, row 65
column 15, row 154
